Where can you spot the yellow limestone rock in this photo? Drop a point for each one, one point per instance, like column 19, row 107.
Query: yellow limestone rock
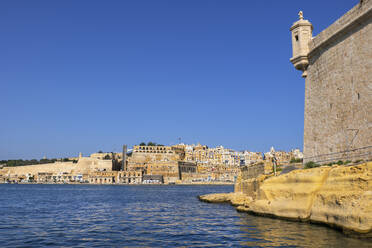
column 235, row 199
column 216, row 198
column 290, row 195
column 345, row 199
column 339, row 196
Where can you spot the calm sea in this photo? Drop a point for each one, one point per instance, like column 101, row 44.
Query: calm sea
column 144, row 216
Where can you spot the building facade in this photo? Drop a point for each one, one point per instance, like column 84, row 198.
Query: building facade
column 130, row 177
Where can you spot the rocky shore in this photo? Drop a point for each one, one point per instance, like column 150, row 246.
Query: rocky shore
column 337, row 196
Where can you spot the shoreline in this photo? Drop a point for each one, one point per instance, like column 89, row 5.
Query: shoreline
column 123, row 184
column 339, row 197
column 228, row 198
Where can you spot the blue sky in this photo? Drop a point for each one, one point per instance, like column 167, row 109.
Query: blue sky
column 83, row 76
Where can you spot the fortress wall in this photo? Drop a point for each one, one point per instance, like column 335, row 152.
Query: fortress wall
column 84, row 165
column 138, row 157
column 34, row 169
column 253, row 171
column 338, row 91
column 93, row 164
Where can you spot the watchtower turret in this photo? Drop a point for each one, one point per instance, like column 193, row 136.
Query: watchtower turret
column 302, row 33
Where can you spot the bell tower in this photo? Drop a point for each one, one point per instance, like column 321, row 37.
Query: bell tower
column 302, row 33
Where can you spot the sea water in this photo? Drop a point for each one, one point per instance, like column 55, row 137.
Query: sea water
column 144, row 216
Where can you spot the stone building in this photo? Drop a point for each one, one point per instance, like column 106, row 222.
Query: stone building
column 153, row 179
column 102, row 155
column 44, row 177
column 297, row 154
column 187, row 170
column 168, row 169
column 103, row 177
column 145, row 154
column 252, row 157
column 337, row 65
column 130, row 177
column 157, row 160
column 200, row 153
column 281, row 157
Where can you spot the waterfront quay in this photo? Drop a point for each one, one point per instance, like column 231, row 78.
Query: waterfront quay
column 149, row 164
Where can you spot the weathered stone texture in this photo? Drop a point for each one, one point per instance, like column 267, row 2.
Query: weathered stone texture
column 339, row 196
column 253, row 171
column 84, row 165
column 338, row 91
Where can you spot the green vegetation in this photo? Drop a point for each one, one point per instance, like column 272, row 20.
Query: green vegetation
column 296, row 160
column 340, row 162
column 107, row 157
column 150, row 144
column 20, row 162
column 311, row 164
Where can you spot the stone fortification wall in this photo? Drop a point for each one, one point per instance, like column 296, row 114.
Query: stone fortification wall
column 58, row 167
column 168, row 169
column 156, row 160
column 252, row 171
column 84, row 166
column 338, row 91
column 145, row 154
column 249, row 179
column 93, row 164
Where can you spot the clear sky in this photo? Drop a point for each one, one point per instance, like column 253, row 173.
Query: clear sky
column 82, row 76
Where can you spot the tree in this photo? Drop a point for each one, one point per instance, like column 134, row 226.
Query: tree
column 107, row 157
column 142, row 144
column 100, row 151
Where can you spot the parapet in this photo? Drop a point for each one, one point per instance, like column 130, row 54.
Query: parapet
column 359, row 14
column 305, row 46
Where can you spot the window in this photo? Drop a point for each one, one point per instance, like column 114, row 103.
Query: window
column 296, row 37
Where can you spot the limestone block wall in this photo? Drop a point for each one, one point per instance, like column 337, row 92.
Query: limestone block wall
column 94, row 164
column 253, row 171
column 145, row 157
column 85, row 165
column 338, row 88
column 248, row 186
column 58, row 167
